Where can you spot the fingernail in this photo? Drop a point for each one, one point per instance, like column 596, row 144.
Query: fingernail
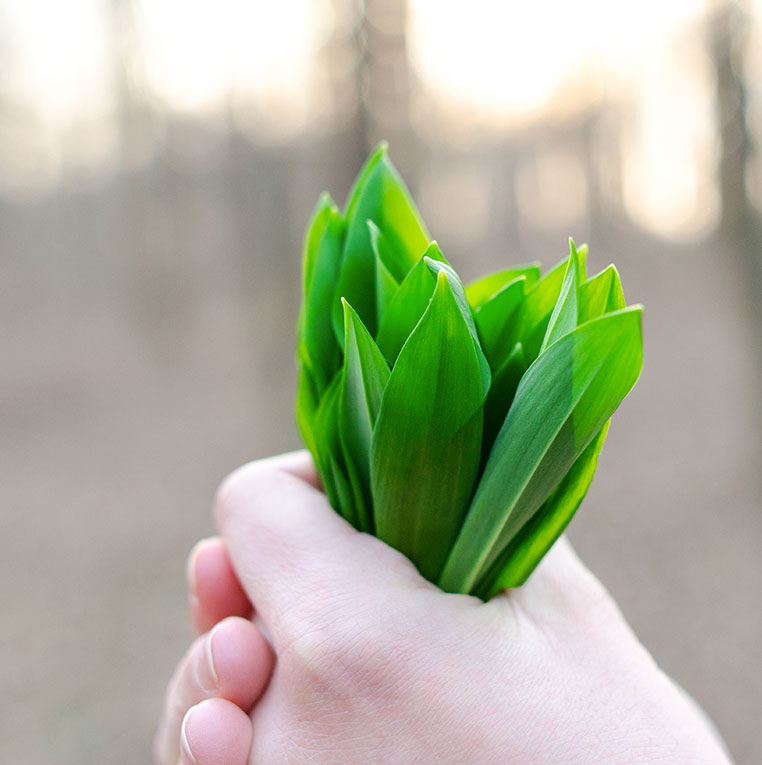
column 206, row 673
column 186, row 755
column 190, row 571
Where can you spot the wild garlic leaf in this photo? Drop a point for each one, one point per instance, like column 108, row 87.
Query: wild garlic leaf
column 317, row 342
column 426, row 443
column 538, row 307
column 365, row 376
column 539, row 534
column 386, row 284
column 505, row 382
column 406, row 307
column 498, row 321
column 318, row 221
column 481, row 290
column 562, row 401
column 380, row 195
column 601, row 294
column 563, row 319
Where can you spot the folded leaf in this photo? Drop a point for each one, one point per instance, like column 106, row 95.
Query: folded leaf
column 537, row 309
column 480, row 291
column 498, row 321
column 601, row 294
column 563, row 319
column 379, row 195
column 539, row 534
column 386, row 284
column 426, row 444
column 505, row 382
column 562, row 402
column 317, row 343
column 365, row 376
column 408, row 305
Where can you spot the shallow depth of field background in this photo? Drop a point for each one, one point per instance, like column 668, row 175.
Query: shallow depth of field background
column 158, row 163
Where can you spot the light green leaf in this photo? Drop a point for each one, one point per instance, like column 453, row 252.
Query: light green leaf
column 480, row 291
column 365, row 376
column 380, row 195
column 386, row 284
column 498, row 322
column 426, row 444
column 318, row 345
column 406, row 308
column 538, row 306
column 539, row 534
column 563, row 319
column 601, row 294
column 318, row 221
column 562, row 401
column 329, row 444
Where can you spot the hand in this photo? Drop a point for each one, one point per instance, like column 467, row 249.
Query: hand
column 374, row 664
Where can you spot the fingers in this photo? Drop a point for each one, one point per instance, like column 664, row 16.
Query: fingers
column 215, row 732
column 293, row 553
column 232, row 662
column 214, row 590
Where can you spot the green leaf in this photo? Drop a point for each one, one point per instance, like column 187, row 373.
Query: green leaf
column 498, row 322
column 538, row 535
column 406, row 307
column 426, row 444
column 562, row 402
column 480, row 291
column 379, row 195
column 601, row 294
column 563, row 319
column 318, row 221
column 365, row 376
column 538, row 307
column 505, row 382
column 437, row 264
column 317, row 344
column 329, row 444
column 386, row 284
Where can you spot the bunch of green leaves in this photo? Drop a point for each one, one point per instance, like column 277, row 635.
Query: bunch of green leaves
column 460, row 424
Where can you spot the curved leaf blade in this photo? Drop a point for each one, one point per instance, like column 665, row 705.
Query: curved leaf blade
column 366, row 374
column 426, row 444
column 562, row 402
column 539, row 534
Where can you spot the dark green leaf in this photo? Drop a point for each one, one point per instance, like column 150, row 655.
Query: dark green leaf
column 426, row 444
column 562, row 402
column 498, row 322
column 317, row 342
column 537, row 536
column 505, row 382
column 365, row 376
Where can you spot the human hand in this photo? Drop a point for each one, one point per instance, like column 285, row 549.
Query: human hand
column 375, row 664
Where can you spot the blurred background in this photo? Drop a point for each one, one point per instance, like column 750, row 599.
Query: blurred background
column 158, row 163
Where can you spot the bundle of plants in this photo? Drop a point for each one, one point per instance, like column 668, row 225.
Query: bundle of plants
column 460, row 424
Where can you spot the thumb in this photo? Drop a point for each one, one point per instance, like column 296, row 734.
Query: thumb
column 294, row 555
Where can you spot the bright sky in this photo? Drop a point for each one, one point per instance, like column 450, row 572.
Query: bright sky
column 503, row 60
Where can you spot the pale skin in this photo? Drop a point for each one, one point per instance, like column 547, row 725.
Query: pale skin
column 318, row 644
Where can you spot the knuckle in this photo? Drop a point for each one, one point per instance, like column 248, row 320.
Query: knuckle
column 235, row 489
